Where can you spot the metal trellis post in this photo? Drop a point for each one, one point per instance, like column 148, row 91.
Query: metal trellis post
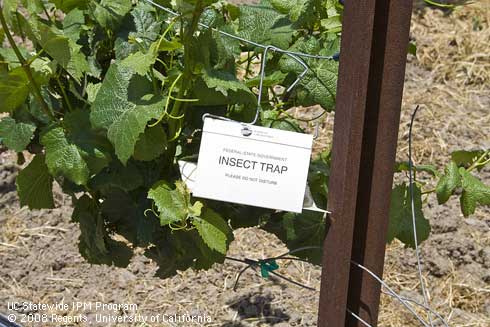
column 372, row 67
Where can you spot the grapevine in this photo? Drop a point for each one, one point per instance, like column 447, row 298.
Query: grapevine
column 105, row 97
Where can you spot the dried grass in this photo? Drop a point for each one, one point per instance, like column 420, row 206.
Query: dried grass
column 449, row 79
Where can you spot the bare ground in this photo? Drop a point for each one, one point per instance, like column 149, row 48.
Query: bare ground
column 449, row 78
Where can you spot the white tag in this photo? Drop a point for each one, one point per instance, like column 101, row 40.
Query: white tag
column 253, row 165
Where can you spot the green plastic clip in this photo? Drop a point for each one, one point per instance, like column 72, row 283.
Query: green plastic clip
column 267, row 266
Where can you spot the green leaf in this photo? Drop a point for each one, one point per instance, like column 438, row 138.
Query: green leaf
column 332, row 24
column 412, row 48
column 401, row 222
column 220, row 87
column 213, row 229
column 14, row 89
column 63, row 157
column 299, row 230
column 466, row 158
column 262, row 24
column 8, row 54
column 448, row 182
column 16, row 136
column 139, row 30
column 319, row 86
column 127, row 178
column 128, row 217
column 404, row 166
column 69, row 5
column 92, row 90
column 170, row 45
column 93, row 146
column 172, row 203
column 276, row 78
column 285, row 6
column 123, row 106
column 110, row 13
column 35, row 185
column 224, row 82
column 474, row 193
column 73, row 24
column 61, row 48
column 196, row 209
column 140, row 62
column 305, row 13
column 8, row 8
column 273, row 119
column 151, row 144
column 180, row 250
column 95, row 245
column 318, row 177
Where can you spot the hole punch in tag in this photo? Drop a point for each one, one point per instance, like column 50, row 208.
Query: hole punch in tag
column 252, row 165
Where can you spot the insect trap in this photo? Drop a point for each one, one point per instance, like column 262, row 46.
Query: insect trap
column 252, row 165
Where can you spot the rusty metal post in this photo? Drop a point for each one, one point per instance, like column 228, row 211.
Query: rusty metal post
column 372, row 68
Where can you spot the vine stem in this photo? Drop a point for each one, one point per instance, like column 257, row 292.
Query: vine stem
column 479, row 161
column 25, row 66
column 188, row 67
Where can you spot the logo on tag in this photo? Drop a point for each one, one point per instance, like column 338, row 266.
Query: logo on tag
column 253, row 165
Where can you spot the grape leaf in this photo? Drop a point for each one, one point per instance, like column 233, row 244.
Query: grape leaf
column 110, row 13
column 73, row 24
column 151, row 144
column 224, row 83
column 35, row 185
column 213, row 230
column 448, row 182
column 63, row 157
column 172, row 252
column 276, row 78
column 465, row 158
column 16, row 136
column 123, row 107
column 95, row 245
column 262, row 24
column 128, row 217
column 304, row 12
column 14, row 89
column 319, row 86
column 180, row 250
column 127, row 178
column 172, row 203
column 474, row 193
column 68, row 5
column 318, row 177
column 139, row 30
column 92, row 90
column 401, row 223
column 140, row 62
column 8, row 8
column 60, row 47
column 299, row 230
column 273, row 119
column 93, row 146
column 404, row 166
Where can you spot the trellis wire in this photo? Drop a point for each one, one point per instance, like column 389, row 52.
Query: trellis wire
column 412, row 206
column 250, row 263
column 293, row 54
column 259, row 45
column 403, row 300
column 261, row 84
